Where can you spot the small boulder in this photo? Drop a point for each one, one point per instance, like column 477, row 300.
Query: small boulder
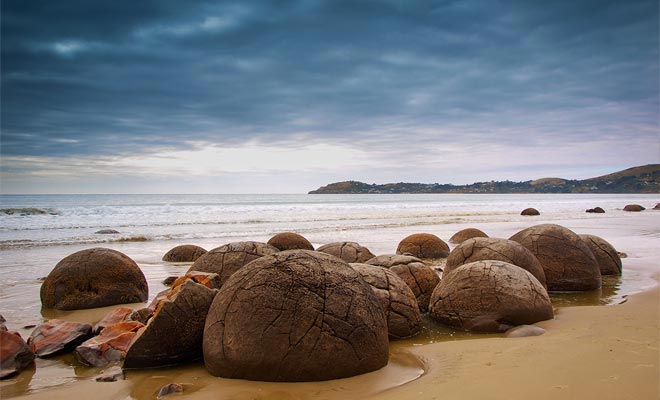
column 106, row 232
column 227, row 259
column 169, row 389
column 109, row 346
column 184, row 253
column 423, row 245
column 490, row 296
column 418, row 276
column 115, row 316
column 480, row 249
column 350, row 252
column 15, row 354
column 56, row 336
column 606, row 255
column 290, row 241
column 633, row 208
column 524, row 331
column 568, row 263
column 465, row 234
column 93, row 278
column 112, row 374
column 657, row 206
column 295, row 316
column 174, row 333
column 530, row 211
column 596, row 210
column 398, row 300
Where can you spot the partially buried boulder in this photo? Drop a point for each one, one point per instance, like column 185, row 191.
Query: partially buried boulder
column 606, row 255
column 480, row 249
column 15, row 354
column 351, row 252
column 106, row 232
column 465, row 234
column 295, row 316
column 423, row 245
column 633, row 208
column 227, row 259
column 398, row 300
column 174, row 332
column 93, row 278
column 184, row 253
column 56, row 336
column 290, row 241
column 530, row 211
column 568, row 263
column 489, row 296
column 596, row 210
column 419, row 277
column 109, row 346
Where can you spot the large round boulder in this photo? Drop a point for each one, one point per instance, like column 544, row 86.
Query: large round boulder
column 606, row 255
column 184, row 253
column 418, row 276
column 489, row 296
column 295, row 316
column 399, row 302
column 465, row 234
column 423, row 245
column 227, row 259
column 350, row 252
column 290, row 241
column 479, row 249
column 93, row 278
column 568, row 263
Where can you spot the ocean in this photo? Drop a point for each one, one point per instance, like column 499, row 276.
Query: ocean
column 36, row 231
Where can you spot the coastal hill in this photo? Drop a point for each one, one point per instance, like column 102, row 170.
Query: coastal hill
column 642, row 179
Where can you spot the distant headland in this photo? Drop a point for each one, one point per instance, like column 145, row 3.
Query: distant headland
column 642, row 179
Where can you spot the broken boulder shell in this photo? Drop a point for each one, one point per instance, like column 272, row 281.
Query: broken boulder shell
column 109, row 346
column 15, row 354
column 56, row 336
column 351, row 252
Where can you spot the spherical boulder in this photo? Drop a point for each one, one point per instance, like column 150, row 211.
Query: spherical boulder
column 184, row 253
column 465, row 234
column 227, row 259
column 418, row 276
column 489, row 296
column 399, row 302
column 294, row 316
column 530, row 211
column 423, row 245
column 93, row 278
column 567, row 261
column 290, row 241
column 633, row 208
column 350, row 252
column 606, row 255
column 479, row 249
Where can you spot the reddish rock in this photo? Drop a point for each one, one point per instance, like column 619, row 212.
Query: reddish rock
column 109, row 346
column 94, row 278
column 606, row 255
column 530, row 211
column 184, row 253
column 423, row 245
column 465, row 234
column 142, row 315
column 115, row 316
column 633, row 208
column 15, row 355
column 290, row 241
column 351, row 252
column 208, row 279
column 57, row 336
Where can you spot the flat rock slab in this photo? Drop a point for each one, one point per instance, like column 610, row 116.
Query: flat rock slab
column 57, row 336
column 115, row 316
column 112, row 374
column 170, row 388
column 109, row 346
column 15, row 354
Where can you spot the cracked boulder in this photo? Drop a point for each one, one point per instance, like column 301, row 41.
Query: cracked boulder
column 490, row 296
column 109, row 346
column 397, row 299
column 290, row 241
column 419, row 277
column 174, row 333
column 93, row 278
column 567, row 261
column 295, row 316
column 423, row 245
column 227, row 259
column 15, row 354
column 479, row 249
column 465, row 234
column 184, row 253
column 606, row 255
column 56, row 336
column 350, row 252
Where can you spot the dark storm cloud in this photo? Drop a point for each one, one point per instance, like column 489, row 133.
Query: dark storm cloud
column 81, row 77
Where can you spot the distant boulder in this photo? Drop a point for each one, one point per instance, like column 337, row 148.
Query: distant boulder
column 350, row 252
column 465, row 234
column 423, row 245
column 184, row 253
column 657, row 207
column 606, row 255
column 93, row 278
column 290, row 241
column 106, row 232
column 633, row 208
column 530, row 211
column 596, row 210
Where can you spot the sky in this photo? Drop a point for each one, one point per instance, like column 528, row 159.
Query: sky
column 161, row 96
